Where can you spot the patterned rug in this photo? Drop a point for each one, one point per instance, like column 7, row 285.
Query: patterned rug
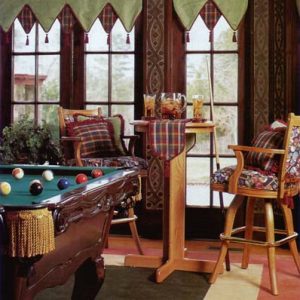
column 137, row 283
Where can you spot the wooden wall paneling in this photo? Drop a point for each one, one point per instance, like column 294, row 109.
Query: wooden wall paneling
column 291, row 57
column 277, row 46
column 5, row 79
column 260, row 54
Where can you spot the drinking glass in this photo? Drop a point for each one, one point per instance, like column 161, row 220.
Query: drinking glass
column 198, row 101
column 149, row 105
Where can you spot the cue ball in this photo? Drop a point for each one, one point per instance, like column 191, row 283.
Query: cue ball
column 97, row 173
column 63, row 183
column 81, row 178
column 48, row 175
column 17, row 173
column 5, row 188
column 36, row 188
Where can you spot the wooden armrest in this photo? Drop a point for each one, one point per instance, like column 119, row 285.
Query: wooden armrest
column 77, row 141
column 71, row 139
column 255, row 149
column 238, row 150
column 132, row 141
column 130, row 136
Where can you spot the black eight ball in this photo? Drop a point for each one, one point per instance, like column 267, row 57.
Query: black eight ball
column 36, row 188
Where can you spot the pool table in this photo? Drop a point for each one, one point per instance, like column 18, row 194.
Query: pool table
column 46, row 238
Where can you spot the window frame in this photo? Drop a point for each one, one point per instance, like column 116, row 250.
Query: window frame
column 240, row 51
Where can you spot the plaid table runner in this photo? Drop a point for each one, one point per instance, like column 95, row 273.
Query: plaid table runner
column 167, row 138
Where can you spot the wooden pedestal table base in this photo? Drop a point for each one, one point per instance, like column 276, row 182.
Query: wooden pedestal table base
column 173, row 230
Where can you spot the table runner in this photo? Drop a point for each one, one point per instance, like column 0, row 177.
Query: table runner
column 167, row 138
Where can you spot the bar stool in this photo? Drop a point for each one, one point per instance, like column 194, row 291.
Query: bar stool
column 274, row 178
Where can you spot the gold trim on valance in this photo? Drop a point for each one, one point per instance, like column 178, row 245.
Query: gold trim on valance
column 85, row 11
column 232, row 10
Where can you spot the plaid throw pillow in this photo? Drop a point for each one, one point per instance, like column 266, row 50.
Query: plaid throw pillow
column 271, row 139
column 117, row 122
column 98, row 137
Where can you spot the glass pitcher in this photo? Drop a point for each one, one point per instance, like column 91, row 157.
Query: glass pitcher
column 172, row 105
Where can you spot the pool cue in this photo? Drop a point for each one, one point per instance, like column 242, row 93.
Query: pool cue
column 227, row 261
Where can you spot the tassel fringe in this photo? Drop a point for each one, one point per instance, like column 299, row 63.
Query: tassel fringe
column 127, row 39
column 187, row 37
column 27, row 40
column 46, row 38
column 86, row 38
column 234, row 38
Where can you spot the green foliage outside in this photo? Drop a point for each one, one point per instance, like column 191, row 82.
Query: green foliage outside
column 26, row 142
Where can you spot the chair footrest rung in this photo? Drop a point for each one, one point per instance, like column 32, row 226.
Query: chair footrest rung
column 234, row 239
column 124, row 220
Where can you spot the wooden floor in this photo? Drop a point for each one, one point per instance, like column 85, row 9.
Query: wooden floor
column 118, row 241
column 252, row 283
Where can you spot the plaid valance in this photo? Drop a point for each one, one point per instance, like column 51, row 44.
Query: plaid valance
column 232, row 10
column 85, row 11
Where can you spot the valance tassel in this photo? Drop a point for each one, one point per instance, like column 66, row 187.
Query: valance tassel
column 46, row 39
column 210, row 36
column 108, row 39
column 86, row 38
column 187, row 37
column 27, row 40
column 234, row 39
column 128, row 39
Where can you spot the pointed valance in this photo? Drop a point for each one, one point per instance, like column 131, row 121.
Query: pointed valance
column 232, row 10
column 85, row 11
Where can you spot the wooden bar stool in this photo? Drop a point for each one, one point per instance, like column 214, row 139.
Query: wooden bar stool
column 269, row 179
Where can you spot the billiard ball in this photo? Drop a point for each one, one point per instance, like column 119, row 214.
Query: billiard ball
column 17, row 173
column 34, row 180
column 81, row 178
column 48, row 175
column 5, row 188
column 63, row 183
column 97, row 173
column 36, row 188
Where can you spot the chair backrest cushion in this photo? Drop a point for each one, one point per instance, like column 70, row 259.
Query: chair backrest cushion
column 117, row 123
column 272, row 138
column 98, row 137
column 293, row 158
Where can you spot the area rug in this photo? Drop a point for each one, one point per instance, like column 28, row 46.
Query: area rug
column 137, row 283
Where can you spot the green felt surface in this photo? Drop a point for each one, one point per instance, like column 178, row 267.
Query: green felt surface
column 20, row 194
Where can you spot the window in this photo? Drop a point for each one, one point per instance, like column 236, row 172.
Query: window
column 109, row 67
column 219, row 57
column 36, row 73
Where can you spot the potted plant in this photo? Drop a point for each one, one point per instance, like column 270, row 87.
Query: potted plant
column 25, row 142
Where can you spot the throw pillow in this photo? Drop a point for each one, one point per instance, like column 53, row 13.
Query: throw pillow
column 117, row 123
column 269, row 138
column 98, row 137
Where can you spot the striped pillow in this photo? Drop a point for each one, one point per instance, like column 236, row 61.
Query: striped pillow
column 98, row 137
column 272, row 139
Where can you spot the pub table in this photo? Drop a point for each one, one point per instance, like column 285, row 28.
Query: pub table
column 173, row 217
